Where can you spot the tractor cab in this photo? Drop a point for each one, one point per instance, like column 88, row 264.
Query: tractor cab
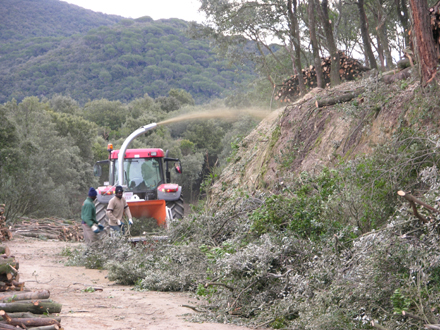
column 144, row 172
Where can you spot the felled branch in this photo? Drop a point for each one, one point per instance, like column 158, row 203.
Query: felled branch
column 43, row 294
column 401, row 75
column 220, row 284
column 245, row 289
column 404, row 313
column 337, row 99
column 37, row 307
column 28, row 322
column 378, row 326
column 412, row 200
column 191, row 307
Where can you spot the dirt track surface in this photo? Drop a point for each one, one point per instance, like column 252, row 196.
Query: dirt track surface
column 116, row 307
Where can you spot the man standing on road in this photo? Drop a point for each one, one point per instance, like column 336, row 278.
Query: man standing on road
column 116, row 209
column 90, row 226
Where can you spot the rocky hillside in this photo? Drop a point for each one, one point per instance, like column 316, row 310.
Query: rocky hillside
column 305, row 137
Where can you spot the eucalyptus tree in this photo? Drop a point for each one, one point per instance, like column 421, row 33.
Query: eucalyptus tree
column 403, row 16
column 365, row 37
column 314, row 43
column 323, row 11
column 347, row 29
column 381, row 12
column 232, row 24
column 424, row 41
column 292, row 9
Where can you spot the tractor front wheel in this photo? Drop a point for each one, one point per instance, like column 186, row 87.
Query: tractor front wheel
column 177, row 208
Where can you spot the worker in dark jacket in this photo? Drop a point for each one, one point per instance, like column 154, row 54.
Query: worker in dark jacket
column 90, row 226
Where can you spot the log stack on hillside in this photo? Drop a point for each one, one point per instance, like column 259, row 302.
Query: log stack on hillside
column 21, row 308
column 5, row 233
column 49, row 228
column 350, row 69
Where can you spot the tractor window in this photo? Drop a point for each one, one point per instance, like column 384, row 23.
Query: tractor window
column 151, row 173
column 104, row 177
column 141, row 174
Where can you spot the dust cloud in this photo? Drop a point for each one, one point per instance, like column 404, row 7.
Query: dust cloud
column 226, row 114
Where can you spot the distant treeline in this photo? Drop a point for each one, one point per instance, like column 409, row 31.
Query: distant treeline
column 49, row 146
column 113, row 58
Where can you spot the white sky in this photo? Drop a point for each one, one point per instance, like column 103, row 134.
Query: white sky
column 156, row 9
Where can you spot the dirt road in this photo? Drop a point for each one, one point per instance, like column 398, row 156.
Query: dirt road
column 116, row 307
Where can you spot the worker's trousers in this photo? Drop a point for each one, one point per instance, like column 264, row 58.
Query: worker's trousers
column 89, row 235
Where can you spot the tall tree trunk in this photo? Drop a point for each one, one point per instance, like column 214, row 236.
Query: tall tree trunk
column 364, row 33
column 334, row 68
column 402, row 13
column 381, row 29
column 380, row 53
column 424, row 41
column 367, row 61
column 314, row 42
column 386, row 47
column 294, row 37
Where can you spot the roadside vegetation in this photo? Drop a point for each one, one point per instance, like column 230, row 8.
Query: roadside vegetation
column 333, row 249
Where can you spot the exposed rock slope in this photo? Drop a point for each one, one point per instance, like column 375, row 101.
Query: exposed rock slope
column 303, row 137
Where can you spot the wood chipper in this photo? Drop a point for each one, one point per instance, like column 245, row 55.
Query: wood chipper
column 145, row 176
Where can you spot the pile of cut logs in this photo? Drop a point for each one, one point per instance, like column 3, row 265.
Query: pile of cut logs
column 49, row 228
column 350, row 69
column 21, row 308
column 5, row 233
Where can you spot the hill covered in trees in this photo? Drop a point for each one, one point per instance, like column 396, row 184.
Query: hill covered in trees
column 25, row 19
column 87, row 55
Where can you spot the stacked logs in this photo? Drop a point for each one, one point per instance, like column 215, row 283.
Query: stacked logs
column 350, row 69
column 5, row 233
column 49, row 228
column 19, row 307
column 9, row 276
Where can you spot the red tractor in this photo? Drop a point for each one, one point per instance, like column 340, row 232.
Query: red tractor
column 145, row 176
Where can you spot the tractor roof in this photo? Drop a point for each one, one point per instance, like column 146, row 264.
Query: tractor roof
column 139, row 153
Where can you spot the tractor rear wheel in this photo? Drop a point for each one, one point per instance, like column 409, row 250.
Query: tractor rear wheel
column 177, row 208
column 101, row 216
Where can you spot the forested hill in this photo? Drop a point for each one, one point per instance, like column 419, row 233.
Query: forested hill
column 121, row 59
column 25, row 19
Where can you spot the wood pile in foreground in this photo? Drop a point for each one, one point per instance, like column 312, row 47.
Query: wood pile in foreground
column 350, row 69
column 21, row 308
column 49, row 228
column 5, row 233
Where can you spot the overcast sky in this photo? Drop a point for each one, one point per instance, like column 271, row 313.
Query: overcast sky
column 156, row 9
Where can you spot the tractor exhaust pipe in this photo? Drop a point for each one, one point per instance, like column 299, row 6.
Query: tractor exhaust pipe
column 121, row 154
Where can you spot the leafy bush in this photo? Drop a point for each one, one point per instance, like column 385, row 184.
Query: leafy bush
column 300, row 211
